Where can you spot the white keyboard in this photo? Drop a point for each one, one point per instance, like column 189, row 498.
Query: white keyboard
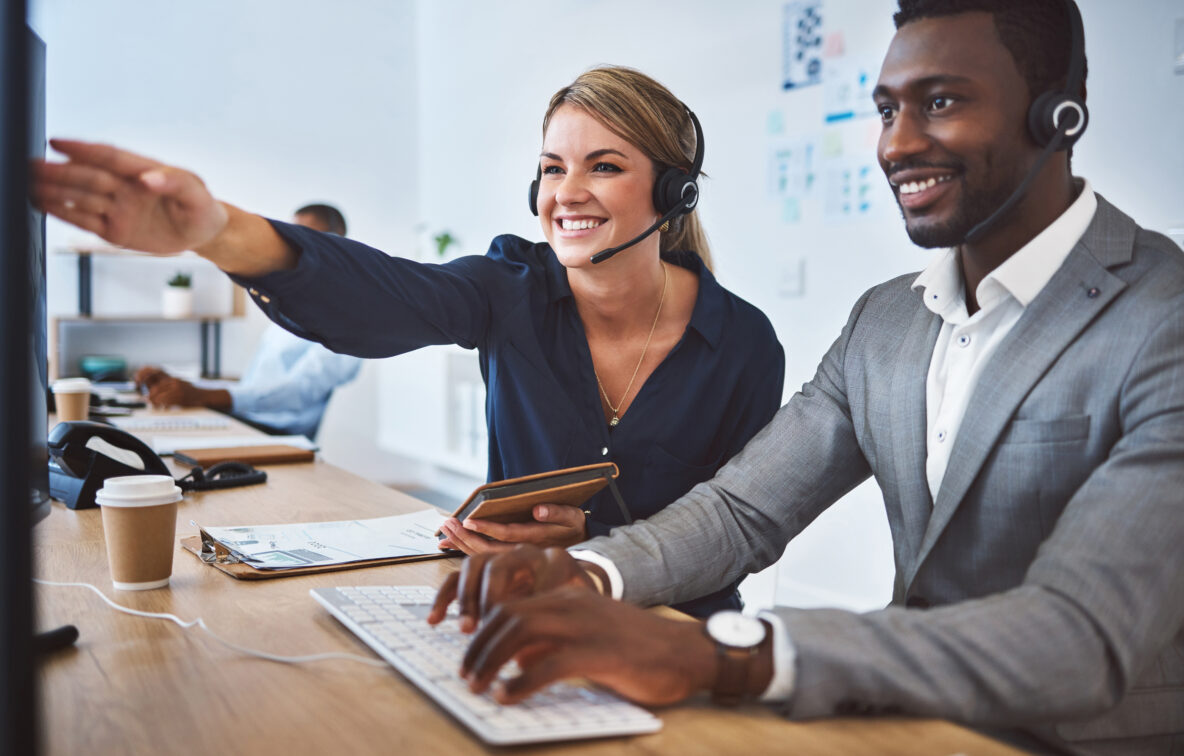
column 166, row 423
column 392, row 620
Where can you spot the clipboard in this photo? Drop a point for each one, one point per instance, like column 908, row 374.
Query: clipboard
column 219, row 557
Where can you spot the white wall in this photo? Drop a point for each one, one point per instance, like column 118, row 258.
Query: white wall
column 275, row 103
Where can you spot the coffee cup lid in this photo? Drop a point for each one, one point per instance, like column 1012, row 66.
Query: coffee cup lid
column 71, row 385
column 138, row 491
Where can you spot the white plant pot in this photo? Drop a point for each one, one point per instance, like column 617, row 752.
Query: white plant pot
column 176, row 302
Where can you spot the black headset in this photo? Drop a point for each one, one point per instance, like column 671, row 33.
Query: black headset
column 1052, row 110
column 676, row 192
column 1056, row 119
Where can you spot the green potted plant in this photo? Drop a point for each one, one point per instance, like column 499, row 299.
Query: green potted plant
column 444, row 240
column 177, row 299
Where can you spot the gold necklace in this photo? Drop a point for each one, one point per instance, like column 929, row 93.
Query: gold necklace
column 616, row 410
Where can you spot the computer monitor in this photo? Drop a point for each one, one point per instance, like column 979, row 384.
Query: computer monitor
column 23, row 483
column 39, row 369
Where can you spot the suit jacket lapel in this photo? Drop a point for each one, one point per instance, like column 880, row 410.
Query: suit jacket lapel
column 908, row 425
column 1075, row 295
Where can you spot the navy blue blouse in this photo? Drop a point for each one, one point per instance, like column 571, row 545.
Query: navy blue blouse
column 719, row 385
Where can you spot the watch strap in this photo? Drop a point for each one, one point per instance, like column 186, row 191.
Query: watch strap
column 732, row 671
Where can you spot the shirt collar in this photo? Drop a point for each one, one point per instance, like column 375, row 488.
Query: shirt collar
column 558, row 286
column 942, row 282
column 1023, row 275
column 710, row 306
column 707, row 319
column 1030, row 269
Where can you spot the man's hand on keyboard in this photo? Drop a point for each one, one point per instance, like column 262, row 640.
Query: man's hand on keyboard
column 487, row 580
column 578, row 633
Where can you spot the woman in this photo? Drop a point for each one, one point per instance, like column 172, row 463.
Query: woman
column 642, row 360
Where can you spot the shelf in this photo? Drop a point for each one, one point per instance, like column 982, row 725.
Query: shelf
column 210, row 324
column 142, row 319
column 211, row 337
column 121, row 252
column 238, row 298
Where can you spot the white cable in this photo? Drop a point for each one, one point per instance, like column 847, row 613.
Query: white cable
column 199, row 622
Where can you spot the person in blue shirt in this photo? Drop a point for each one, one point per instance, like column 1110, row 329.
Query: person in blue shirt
column 643, row 360
column 290, row 380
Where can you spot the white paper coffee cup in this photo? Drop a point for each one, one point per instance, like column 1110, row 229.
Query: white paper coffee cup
column 139, row 525
column 72, row 397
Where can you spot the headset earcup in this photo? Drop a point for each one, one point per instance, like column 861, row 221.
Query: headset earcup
column 1040, row 124
column 533, row 197
column 670, row 190
column 660, row 189
column 1042, row 118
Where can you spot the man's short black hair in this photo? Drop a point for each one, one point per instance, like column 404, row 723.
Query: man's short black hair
column 328, row 215
column 1037, row 33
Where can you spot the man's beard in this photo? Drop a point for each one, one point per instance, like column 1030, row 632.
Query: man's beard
column 975, row 207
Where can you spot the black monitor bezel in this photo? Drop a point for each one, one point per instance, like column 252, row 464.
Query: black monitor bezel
column 18, row 689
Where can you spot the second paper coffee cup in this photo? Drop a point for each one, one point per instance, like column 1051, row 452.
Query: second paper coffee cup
column 139, row 525
column 72, row 397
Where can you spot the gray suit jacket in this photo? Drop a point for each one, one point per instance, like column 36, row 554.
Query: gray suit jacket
column 1050, row 569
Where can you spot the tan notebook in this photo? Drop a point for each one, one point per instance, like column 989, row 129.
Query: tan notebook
column 513, row 500
column 271, row 454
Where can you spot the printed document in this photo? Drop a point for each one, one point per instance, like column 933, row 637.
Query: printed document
column 315, row 544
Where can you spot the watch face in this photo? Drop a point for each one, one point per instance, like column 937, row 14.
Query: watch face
column 734, row 629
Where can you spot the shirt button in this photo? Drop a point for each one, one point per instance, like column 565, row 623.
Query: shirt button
column 964, row 341
column 941, row 436
column 604, row 452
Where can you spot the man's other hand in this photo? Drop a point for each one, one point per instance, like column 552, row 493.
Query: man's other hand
column 578, row 633
column 167, row 391
column 486, row 580
column 147, row 375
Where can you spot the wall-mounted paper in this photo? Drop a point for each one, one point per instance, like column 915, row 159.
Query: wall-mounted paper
column 801, row 44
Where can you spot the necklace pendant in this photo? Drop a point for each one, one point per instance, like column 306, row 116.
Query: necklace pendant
column 613, row 423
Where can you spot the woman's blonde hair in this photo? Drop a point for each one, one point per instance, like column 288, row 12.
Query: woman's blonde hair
column 644, row 113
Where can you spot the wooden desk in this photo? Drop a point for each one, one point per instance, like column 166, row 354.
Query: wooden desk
column 134, row 685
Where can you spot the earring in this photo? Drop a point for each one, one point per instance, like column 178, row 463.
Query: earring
column 664, row 227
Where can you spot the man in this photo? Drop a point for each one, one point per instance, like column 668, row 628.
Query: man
column 1021, row 405
column 289, row 382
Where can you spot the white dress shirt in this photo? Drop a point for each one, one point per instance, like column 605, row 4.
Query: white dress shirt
column 967, row 342
column 964, row 346
column 289, row 382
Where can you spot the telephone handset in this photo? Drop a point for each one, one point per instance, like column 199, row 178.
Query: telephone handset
column 228, row 474
column 83, row 454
